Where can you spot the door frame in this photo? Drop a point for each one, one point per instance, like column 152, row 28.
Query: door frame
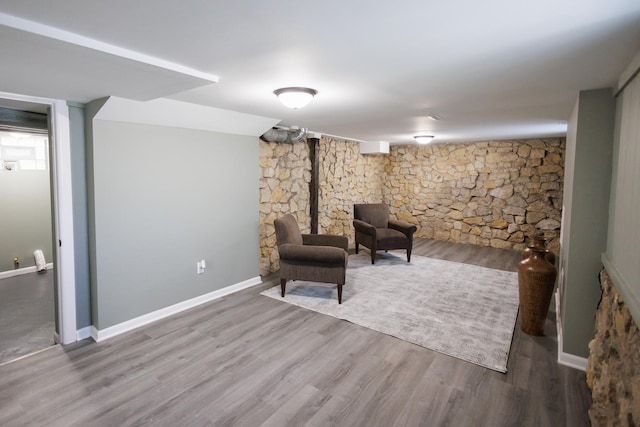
column 62, row 199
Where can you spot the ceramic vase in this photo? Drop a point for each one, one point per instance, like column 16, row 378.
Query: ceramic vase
column 536, row 279
column 539, row 241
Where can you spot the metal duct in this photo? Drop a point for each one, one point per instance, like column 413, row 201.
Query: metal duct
column 284, row 135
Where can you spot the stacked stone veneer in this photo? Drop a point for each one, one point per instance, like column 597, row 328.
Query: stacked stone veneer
column 613, row 369
column 484, row 193
column 346, row 177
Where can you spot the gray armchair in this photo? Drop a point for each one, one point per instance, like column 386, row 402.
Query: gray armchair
column 376, row 231
column 312, row 257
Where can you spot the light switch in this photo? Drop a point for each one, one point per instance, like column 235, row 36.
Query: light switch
column 200, row 266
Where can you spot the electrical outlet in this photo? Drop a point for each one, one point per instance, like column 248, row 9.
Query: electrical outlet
column 200, row 266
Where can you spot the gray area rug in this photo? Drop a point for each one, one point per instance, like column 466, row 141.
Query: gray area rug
column 462, row 310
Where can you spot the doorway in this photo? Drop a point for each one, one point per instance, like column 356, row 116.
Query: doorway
column 61, row 202
column 27, row 284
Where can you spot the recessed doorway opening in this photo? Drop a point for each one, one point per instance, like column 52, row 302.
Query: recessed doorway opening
column 35, row 174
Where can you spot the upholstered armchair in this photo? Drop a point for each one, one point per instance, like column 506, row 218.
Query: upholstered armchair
column 376, row 231
column 312, row 257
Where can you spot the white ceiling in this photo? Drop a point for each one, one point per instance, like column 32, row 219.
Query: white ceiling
column 490, row 69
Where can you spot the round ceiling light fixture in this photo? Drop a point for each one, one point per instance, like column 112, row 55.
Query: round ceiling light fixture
column 295, row 97
column 424, row 139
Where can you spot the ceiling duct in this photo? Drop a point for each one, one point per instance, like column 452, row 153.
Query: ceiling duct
column 284, row 135
column 374, row 147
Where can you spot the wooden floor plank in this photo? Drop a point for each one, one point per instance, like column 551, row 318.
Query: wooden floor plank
column 247, row 359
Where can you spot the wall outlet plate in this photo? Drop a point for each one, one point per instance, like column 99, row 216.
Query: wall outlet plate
column 200, row 266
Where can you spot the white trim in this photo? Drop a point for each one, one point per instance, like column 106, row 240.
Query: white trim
column 566, row 359
column 628, row 74
column 63, row 212
column 63, row 199
column 21, row 271
column 84, row 333
column 103, row 334
column 94, row 333
column 572, row 361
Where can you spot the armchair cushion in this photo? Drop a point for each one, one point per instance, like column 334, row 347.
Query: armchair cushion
column 391, row 239
column 312, row 254
column 287, row 230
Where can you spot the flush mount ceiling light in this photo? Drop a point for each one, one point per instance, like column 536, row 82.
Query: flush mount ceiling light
column 295, row 97
column 424, row 139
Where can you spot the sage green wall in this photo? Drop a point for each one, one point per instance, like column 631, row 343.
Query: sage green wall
column 25, row 217
column 80, row 236
column 586, row 206
column 164, row 198
column 91, row 109
column 621, row 257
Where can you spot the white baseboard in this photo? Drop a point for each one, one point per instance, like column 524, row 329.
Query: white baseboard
column 20, row 271
column 566, row 359
column 112, row 331
column 572, row 361
column 83, row 334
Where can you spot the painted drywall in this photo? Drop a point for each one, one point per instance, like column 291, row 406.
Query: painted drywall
column 621, row 256
column 80, row 227
column 161, row 199
column 91, row 109
column 25, row 217
column 586, row 200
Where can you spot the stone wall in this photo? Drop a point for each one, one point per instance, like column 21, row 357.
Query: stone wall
column 285, row 172
column 346, row 177
column 484, row 193
column 613, row 368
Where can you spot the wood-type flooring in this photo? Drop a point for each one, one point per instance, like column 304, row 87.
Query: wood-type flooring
column 27, row 315
column 250, row 360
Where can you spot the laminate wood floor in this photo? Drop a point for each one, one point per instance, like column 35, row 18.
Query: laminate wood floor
column 27, row 318
column 250, row 360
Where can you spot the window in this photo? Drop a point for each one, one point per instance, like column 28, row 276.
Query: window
column 24, row 151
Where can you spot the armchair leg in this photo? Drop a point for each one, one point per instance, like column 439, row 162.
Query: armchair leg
column 409, row 255
column 283, row 286
column 339, row 294
column 357, row 246
column 373, row 256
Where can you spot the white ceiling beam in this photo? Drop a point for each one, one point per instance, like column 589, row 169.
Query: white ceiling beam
column 168, row 112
